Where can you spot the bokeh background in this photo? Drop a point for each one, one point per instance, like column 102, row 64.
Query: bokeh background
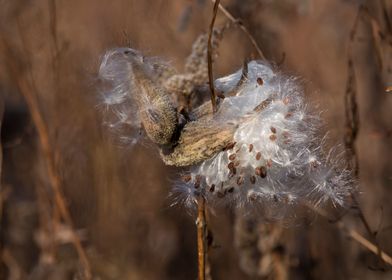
column 118, row 197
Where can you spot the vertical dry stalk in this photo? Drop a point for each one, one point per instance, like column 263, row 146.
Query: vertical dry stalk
column 201, row 237
column 26, row 90
column 350, row 104
column 52, row 174
column 353, row 123
column 209, row 56
column 2, row 274
column 1, row 160
column 201, row 209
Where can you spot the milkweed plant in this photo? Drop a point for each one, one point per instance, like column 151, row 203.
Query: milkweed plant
column 264, row 147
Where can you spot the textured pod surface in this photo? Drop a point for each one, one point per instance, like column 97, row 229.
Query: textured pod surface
column 133, row 95
column 199, row 140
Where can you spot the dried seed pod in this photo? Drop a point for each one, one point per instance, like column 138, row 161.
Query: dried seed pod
column 198, row 142
column 205, row 140
column 156, row 110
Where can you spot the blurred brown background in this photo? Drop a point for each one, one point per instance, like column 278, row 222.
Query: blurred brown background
column 118, row 197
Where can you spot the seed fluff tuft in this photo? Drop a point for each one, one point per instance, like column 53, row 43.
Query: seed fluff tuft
column 276, row 157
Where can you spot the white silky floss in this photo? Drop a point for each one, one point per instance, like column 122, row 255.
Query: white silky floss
column 277, row 155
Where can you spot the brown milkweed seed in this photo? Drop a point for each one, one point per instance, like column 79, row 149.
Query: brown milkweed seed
column 261, row 171
column 186, row 178
column 232, row 157
column 230, row 146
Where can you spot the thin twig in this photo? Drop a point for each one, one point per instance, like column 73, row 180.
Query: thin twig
column 370, row 246
column 209, row 57
column 201, row 237
column 374, row 248
column 243, row 28
column 352, row 118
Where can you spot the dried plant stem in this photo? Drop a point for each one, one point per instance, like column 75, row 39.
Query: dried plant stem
column 3, row 196
column 352, row 125
column 14, row 269
column 53, row 177
column 209, row 57
column 201, row 209
column 370, row 246
column 201, row 237
column 374, row 248
column 242, row 27
column 27, row 90
column 1, row 161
